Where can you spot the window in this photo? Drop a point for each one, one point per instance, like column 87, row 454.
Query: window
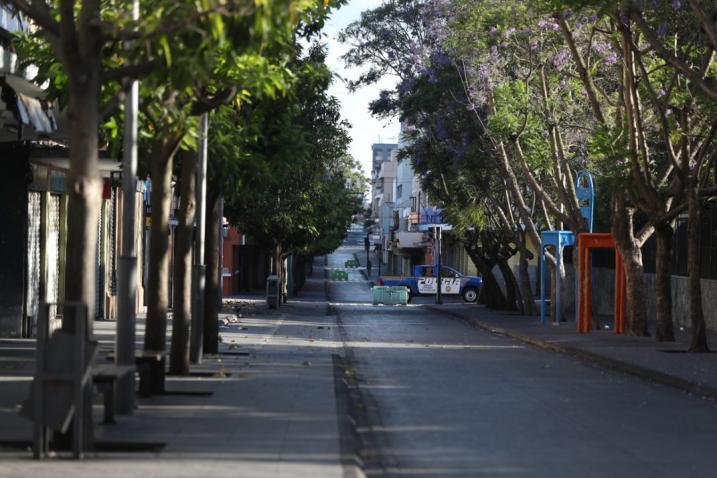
column 399, row 191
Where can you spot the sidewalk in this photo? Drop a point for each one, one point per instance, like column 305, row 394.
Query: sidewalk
column 265, row 406
column 661, row 362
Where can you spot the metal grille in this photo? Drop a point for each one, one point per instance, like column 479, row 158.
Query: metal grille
column 99, row 269
column 34, row 214
column 53, row 253
column 112, row 244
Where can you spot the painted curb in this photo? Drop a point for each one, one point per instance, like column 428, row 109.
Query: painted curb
column 644, row 373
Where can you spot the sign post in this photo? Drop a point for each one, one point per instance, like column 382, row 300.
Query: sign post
column 439, row 279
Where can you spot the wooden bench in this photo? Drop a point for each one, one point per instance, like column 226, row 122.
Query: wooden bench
column 105, row 377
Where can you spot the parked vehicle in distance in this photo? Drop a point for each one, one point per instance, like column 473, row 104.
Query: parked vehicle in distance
column 423, row 282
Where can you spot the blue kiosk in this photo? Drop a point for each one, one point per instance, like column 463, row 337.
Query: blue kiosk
column 585, row 191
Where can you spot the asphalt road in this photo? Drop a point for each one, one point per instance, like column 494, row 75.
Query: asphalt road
column 445, row 400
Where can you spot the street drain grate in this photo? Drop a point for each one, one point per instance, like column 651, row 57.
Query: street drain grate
column 188, row 393
column 210, row 374
column 100, row 446
column 242, row 354
column 129, row 446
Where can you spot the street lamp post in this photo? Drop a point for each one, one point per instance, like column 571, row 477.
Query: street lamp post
column 127, row 266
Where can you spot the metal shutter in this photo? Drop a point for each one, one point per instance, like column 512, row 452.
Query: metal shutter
column 34, row 214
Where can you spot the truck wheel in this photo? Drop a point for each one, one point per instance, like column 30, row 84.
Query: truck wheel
column 410, row 295
column 470, row 294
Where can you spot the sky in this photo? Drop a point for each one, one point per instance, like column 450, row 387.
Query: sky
column 366, row 129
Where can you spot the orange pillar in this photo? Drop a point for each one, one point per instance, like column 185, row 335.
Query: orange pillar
column 581, row 295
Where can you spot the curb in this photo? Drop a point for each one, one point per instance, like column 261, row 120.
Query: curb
column 638, row 371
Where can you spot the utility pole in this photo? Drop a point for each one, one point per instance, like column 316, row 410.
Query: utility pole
column 127, row 267
column 367, row 246
column 379, row 256
column 198, row 268
column 439, row 279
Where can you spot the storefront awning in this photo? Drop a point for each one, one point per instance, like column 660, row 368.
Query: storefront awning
column 24, row 112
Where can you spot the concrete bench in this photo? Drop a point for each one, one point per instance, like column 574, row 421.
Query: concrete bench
column 150, row 365
column 105, row 377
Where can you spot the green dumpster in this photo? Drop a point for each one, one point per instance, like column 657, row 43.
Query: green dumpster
column 390, row 295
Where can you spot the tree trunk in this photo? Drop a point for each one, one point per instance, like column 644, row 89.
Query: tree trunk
column 526, row 289
column 625, row 242
column 84, row 190
column 158, row 274
column 182, row 283
column 212, row 287
column 511, row 286
column 663, row 287
column 491, row 292
column 697, row 319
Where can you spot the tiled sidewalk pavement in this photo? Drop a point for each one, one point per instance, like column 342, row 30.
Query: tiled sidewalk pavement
column 264, row 407
column 661, row 362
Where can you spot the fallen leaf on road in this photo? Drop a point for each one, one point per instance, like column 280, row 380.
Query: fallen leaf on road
column 243, row 375
column 221, row 373
column 306, row 363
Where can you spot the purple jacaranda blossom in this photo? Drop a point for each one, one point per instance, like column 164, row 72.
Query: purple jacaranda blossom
column 660, row 92
column 560, row 59
column 461, row 151
column 534, row 44
column 601, row 47
column 494, row 52
column 662, row 30
column 493, row 31
column 592, row 18
column 483, row 72
column 527, row 30
column 510, row 31
column 567, row 14
column 442, row 131
column 676, row 4
column 611, row 59
column 542, row 24
column 562, row 84
column 504, row 44
column 655, row 3
column 406, row 85
column 440, row 58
